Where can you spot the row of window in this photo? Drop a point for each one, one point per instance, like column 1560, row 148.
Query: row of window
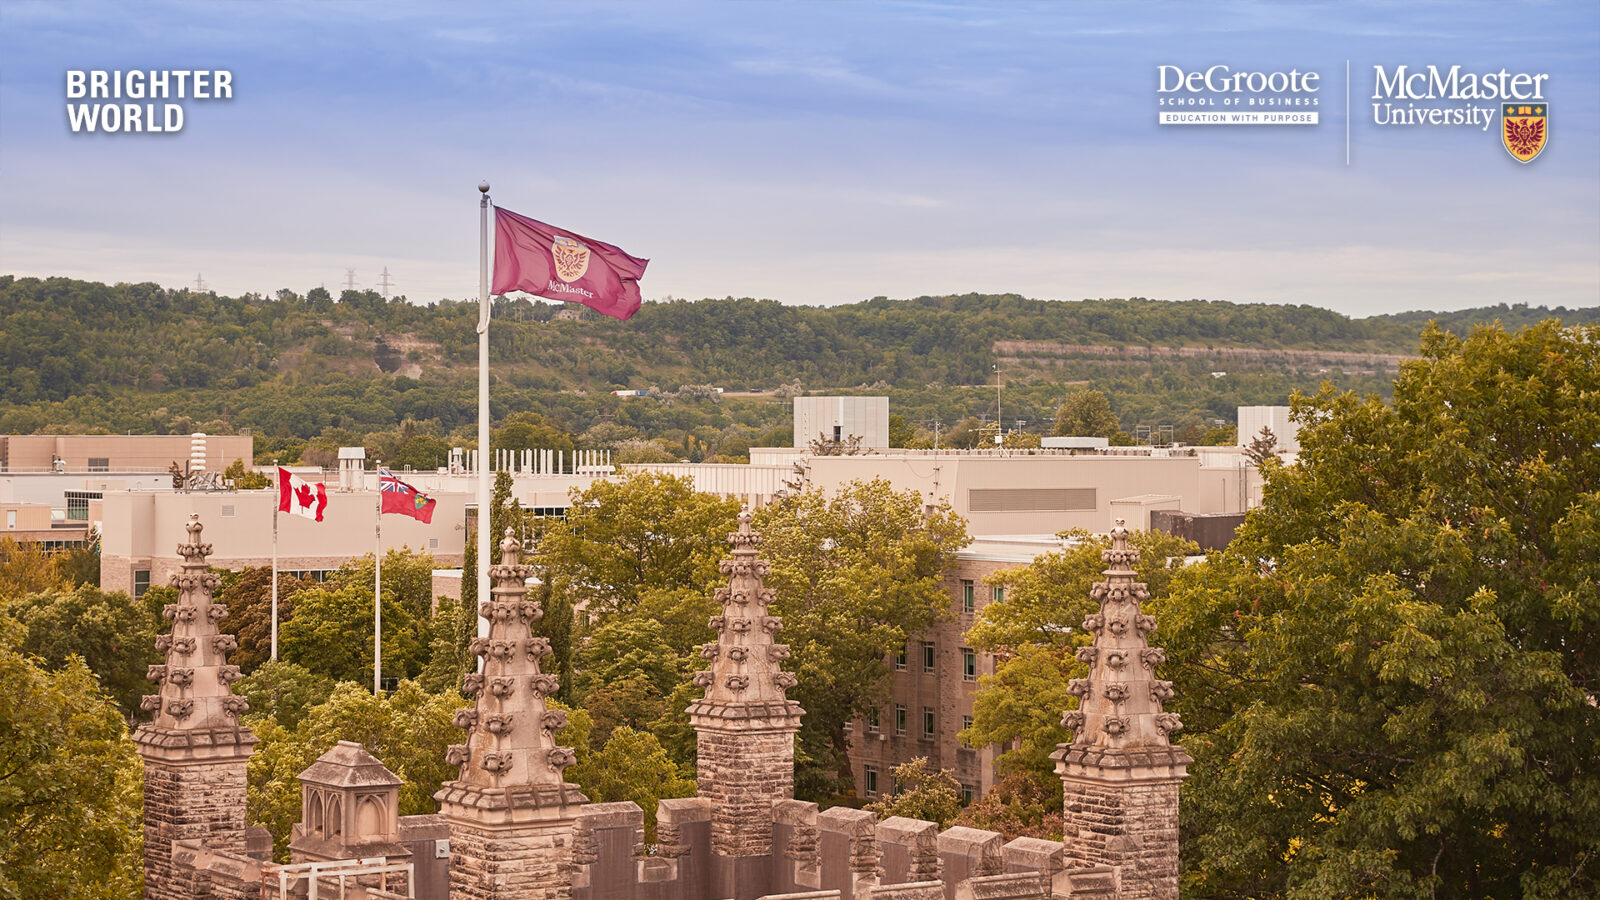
column 969, row 661
column 969, row 595
column 901, row 717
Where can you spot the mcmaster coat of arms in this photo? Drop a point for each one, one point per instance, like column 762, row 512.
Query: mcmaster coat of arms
column 571, row 258
column 1525, row 129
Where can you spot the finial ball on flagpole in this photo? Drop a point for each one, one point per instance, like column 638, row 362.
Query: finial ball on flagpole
column 483, row 186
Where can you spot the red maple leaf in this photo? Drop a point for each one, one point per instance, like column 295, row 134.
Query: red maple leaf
column 303, row 494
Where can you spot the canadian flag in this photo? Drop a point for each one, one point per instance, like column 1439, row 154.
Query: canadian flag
column 300, row 497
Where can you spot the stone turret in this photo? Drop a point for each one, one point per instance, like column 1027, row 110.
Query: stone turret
column 745, row 724
column 195, row 751
column 1121, row 773
column 510, row 812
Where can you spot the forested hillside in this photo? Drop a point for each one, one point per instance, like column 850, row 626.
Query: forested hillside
column 294, row 368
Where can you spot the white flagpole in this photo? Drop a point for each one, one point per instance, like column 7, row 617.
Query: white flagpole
column 483, row 402
column 277, row 475
column 377, row 597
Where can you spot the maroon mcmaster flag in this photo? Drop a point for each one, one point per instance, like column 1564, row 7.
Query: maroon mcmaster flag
column 546, row 261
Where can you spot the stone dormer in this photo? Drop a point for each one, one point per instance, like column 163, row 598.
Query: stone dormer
column 349, row 808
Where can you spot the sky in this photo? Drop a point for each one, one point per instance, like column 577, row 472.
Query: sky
column 812, row 153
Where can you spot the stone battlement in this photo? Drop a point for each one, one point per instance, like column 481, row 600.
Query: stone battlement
column 510, row 826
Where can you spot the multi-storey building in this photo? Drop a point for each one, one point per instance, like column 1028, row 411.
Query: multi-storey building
column 935, row 678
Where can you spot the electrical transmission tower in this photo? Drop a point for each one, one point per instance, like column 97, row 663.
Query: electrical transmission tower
column 349, row 279
column 199, row 284
column 383, row 283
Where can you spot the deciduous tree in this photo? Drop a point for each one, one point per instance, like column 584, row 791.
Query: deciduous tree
column 109, row 632
column 921, row 792
column 1087, row 413
column 70, row 783
column 854, row 574
column 1389, row 678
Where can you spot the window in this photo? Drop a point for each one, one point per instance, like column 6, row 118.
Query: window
column 99, row 463
column 11, row 518
column 967, row 794
column 969, row 596
column 141, row 582
column 966, row 722
column 78, row 504
column 870, row 776
column 900, row 719
column 997, row 594
column 927, row 657
column 900, row 660
column 927, row 722
column 969, row 664
column 873, row 724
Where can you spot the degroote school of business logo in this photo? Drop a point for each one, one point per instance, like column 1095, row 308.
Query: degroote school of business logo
column 1526, row 130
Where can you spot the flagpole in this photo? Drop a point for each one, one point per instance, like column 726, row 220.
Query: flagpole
column 483, row 401
column 277, row 476
column 377, row 597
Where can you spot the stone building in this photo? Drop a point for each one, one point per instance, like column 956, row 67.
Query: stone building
column 511, row 826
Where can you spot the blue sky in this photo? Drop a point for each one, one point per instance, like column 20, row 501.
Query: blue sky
column 812, row 153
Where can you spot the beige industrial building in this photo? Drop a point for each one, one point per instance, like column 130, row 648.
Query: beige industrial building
column 122, row 452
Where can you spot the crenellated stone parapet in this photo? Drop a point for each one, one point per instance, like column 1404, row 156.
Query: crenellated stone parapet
column 195, row 751
column 511, row 811
column 1121, row 773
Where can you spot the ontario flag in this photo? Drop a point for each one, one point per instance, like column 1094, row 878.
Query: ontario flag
column 546, row 261
column 402, row 498
column 295, row 495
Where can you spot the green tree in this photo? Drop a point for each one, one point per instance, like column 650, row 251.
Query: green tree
column 109, row 632
column 632, row 766
column 901, row 432
column 1388, row 679
column 530, row 431
column 921, row 792
column 283, row 691
column 70, row 783
column 1022, row 804
column 331, row 634
column 642, row 531
column 80, row 565
column 244, row 479
column 1087, row 413
column 25, row 568
column 247, row 593
column 853, row 573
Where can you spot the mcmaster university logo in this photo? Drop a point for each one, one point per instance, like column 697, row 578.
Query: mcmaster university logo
column 571, row 258
column 1525, row 130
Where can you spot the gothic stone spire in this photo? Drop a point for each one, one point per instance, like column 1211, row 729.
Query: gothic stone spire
column 1121, row 773
column 510, row 757
column 195, row 751
column 745, row 659
column 745, row 726
column 511, row 813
